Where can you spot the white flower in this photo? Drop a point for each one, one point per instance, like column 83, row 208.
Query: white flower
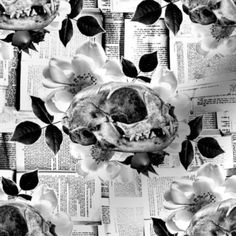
column 94, row 161
column 216, row 39
column 67, row 77
column 186, row 197
column 44, row 199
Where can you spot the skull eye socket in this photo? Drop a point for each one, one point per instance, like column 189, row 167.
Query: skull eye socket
column 120, row 117
column 83, row 137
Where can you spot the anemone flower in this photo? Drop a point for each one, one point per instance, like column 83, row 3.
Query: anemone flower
column 102, row 163
column 44, row 199
column 67, row 77
column 186, row 197
column 216, row 39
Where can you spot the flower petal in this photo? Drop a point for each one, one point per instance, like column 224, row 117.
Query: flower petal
column 113, row 69
column 95, row 51
column 179, row 221
column 63, row 224
column 48, row 83
column 82, row 65
column 230, row 184
column 62, row 99
column 60, row 71
column 203, row 185
column 51, row 106
column 212, row 171
column 45, row 200
column 176, row 196
column 228, row 9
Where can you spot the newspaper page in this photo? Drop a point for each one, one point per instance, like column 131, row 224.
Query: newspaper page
column 85, row 230
column 105, row 5
column 142, row 39
column 192, row 66
column 124, row 5
column 90, row 4
column 32, row 64
column 7, row 152
column 126, row 209
column 77, row 196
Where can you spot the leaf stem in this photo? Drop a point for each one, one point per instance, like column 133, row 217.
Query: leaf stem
column 51, row 124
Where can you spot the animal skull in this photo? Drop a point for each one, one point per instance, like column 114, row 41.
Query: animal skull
column 216, row 219
column 27, row 14
column 121, row 117
column 20, row 219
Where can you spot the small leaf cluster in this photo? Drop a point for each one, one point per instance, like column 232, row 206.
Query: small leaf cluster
column 160, row 228
column 149, row 11
column 28, row 132
column 147, row 63
column 87, row 25
column 28, row 181
column 207, row 146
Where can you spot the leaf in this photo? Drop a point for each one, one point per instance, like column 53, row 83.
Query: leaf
column 147, row 12
column 32, row 47
column 76, row 8
column 27, row 132
column 89, row 26
column 53, row 138
column 129, row 68
column 25, row 196
column 157, row 158
column 66, row 31
column 144, row 78
column 8, row 38
column 40, row 110
column 9, row 187
column 185, row 9
column 186, row 155
column 29, row 180
column 159, row 227
column 173, row 18
column 209, row 147
column 195, row 126
column 127, row 161
column 148, row 62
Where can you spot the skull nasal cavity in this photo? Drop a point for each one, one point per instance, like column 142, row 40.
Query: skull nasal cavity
column 126, row 101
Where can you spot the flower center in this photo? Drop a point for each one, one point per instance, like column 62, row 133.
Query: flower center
column 82, row 81
column 202, row 200
column 221, row 31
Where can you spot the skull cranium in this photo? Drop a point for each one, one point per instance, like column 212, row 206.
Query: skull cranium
column 27, row 14
column 216, row 219
column 121, row 117
column 20, row 219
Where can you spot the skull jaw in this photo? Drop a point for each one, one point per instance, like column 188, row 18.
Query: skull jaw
column 29, row 23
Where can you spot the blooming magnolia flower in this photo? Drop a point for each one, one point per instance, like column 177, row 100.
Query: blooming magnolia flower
column 44, row 199
column 186, row 197
column 67, row 77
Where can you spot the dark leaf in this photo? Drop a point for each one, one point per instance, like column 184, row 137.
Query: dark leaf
column 144, row 172
column 185, row 9
column 147, row 12
column 127, row 161
column 40, row 110
column 144, row 78
column 157, row 158
column 9, row 187
column 31, row 46
column 25, row 196
column 29, row 180
column 195, row 126
column 26, row 50
column 76, row 7
column 159, row 227
column 66, row 31
column 148, row 62
column 27, row 132
column 89, row 26
column 38, row 36
column 173, row 18
column 129, row 68
column 53, row 138
column 8, row 38
column 151, row 169
column 186, row 155
column 209, row 147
